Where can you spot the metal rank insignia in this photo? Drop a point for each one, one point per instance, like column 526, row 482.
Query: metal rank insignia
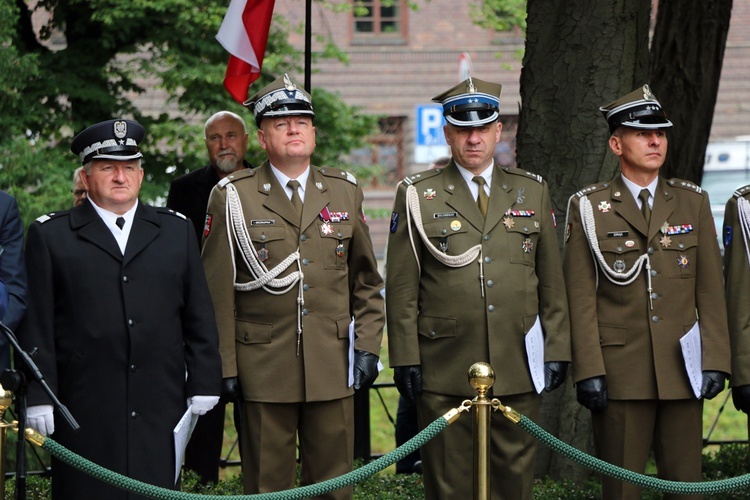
column 263, row 253
column 683, row 261
column 665, row 241
column 429, row 194
column 619, row 266
column 527, row 245
column 340, row 250
column 326, row 228
column 604, row 206
column 267, row 186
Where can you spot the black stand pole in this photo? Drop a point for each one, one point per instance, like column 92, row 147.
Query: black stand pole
column 16, row 381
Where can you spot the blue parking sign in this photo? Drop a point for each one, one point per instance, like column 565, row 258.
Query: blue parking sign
column 429, row 127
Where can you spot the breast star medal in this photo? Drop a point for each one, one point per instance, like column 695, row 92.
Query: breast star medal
column 665, row 241
column 508, row 222
column 326, row 228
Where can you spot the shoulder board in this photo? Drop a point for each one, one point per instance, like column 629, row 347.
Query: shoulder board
column 685, row 185
column 519, row 171
column 591, row 189
column 742, row 192
column 165, row 210
column 337, row 173
column 52, row 215
column 420, row 176
column 235, row 176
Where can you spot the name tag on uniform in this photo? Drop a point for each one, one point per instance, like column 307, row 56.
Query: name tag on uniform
column 444, row 215
column 617, row 234
column 263, row 222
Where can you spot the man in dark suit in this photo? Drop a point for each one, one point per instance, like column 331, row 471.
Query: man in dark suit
column 296, row 292
column 642, row 271
column 121, row 317
column 226, row 138
column 473, row 273
column 12, row 271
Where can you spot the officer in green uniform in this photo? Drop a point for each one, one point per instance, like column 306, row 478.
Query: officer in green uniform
column 296, row 290
column 474, row 274
column 737, row 282
column 643, row 270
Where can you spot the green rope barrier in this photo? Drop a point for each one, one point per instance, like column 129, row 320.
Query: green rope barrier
column 148, row 490
column 663, row 485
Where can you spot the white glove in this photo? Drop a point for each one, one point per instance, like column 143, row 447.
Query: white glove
column 40, row 418
column 201, row 404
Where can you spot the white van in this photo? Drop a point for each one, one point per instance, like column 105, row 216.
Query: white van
column 727, row 167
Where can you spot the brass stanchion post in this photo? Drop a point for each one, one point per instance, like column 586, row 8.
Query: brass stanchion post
column 6, row 399
column 481, row 378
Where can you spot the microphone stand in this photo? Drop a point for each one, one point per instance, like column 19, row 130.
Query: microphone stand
column 16, row 381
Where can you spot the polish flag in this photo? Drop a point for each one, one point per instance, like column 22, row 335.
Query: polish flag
column 244, row 33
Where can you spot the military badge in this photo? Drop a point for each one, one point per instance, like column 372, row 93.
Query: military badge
column 319, row 185
column 604, row 206
column 456, row 225
column 267, row 186
column 527, row 245
column 263, row 253
column 683, row 261
column 326, row 229
column 394, row 222
column 665, row 241
column 120, row 129
column 728, row 236
column 521, row 197
column 508, row 222
column 429, row 194
column 340, row 251
column 630, row 243
column 207, row 225
column 554, row 219
column 568, row 228
column 619, row 266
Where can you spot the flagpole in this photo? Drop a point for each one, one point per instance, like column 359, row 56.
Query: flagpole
column 308, row 39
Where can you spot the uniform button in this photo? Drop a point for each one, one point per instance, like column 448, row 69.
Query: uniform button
column 654, row 295
column 339, row 235
column 132, row 368
column 487, row 260
column 133, row 415
column 125, row 279
column 262, row 236
column 655, row 319
column 304, row 312
column 653, row 273
column 486, row 237
column 131, row 322
column 525, row 229
column 490, row 283
column 306, row 287
column 444, row 231
column 619, row 248
column 303, row 238
column 305, row 262
column 246, row 338
column 433, row 334
column 650, row 251
column 491, row 308
column 681, row 245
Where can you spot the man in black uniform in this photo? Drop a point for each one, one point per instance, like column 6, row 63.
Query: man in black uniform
column 121, row 317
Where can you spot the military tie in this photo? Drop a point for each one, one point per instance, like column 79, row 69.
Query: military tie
column 645, row 209
column 120, row 222
column 296, row 200
column 482, row 200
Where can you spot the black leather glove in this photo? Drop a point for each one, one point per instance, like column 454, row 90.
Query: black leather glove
column 408, row 380
column 365, row 369
column 713, row 383
column 230, row 390
column 555, row 373
column 741, row 398
column 592, row 393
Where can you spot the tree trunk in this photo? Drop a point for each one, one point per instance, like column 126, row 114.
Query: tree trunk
column 579, row 56
column 686, row 58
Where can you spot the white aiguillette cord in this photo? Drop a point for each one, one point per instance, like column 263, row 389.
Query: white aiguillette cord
column 589, row 229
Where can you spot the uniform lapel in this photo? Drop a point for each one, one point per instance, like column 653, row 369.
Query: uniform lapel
column 276, row 200
column 625, row 205
column 145, row 229
column 459, row 197
column 316, row 198
column 92, row 228
column 663, row 208
column 502, row 198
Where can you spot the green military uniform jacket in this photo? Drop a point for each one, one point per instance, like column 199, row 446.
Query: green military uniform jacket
column 258, row 329
column 614, row 331
column 737, row 276
column 441, row 317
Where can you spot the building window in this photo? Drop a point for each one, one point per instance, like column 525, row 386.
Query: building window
column 379, row 21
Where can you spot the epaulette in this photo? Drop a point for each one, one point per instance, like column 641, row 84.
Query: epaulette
column 591, row 189
column 742, row 192
column 337, row 173
column 520, row 171
column 165, row 210
column 420, row 176
column 685, row 185
column 52, row 215
column 235, row 176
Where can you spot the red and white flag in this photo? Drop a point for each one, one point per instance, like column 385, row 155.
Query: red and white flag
column 244, row 33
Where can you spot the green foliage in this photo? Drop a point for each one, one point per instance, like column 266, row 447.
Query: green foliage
column 499, row 15
column 113, row 52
